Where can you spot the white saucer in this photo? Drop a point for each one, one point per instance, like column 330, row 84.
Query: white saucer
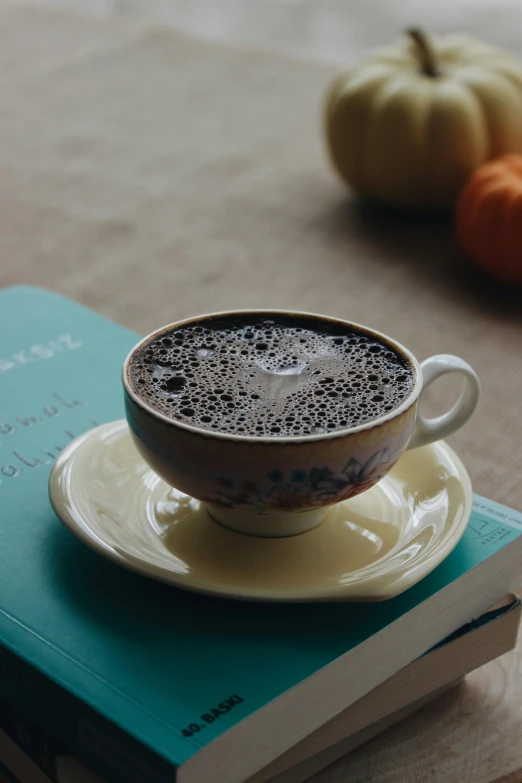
column 369, row 548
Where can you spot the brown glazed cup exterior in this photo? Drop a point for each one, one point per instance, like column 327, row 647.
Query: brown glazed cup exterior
column 270, row 485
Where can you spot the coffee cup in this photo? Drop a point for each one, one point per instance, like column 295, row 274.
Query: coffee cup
column 273, row 484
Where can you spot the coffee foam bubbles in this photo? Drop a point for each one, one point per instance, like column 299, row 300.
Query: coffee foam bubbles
column 270, row 376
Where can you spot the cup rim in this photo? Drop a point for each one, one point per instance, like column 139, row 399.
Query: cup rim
column 275, row 439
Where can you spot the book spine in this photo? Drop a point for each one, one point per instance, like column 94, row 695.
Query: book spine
column 105, row 748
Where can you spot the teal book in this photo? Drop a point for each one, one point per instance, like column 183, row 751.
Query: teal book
column 150, row 683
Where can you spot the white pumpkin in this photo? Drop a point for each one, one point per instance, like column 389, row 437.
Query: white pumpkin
column 411, row 122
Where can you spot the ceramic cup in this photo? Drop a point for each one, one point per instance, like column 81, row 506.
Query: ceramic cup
column 281, row 486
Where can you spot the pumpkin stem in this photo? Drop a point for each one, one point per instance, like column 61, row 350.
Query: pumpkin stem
column 425, row 52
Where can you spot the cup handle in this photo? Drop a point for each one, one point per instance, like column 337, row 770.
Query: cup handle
column 427, row 430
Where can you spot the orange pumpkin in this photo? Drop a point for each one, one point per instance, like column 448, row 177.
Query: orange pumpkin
column 489, row 218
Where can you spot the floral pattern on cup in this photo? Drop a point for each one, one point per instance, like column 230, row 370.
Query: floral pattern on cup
column 300, row 489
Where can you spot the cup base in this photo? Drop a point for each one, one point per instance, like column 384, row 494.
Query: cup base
column 276, row 525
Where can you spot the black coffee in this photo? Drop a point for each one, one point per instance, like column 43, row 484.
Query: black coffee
column 270, row 375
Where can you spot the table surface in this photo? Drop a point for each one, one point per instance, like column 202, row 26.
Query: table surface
column 471, row 734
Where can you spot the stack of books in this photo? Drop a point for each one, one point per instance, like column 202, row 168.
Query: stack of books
column 107, row 675
column 29, row 754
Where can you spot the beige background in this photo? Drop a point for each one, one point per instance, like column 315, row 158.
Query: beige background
column 152, row 177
